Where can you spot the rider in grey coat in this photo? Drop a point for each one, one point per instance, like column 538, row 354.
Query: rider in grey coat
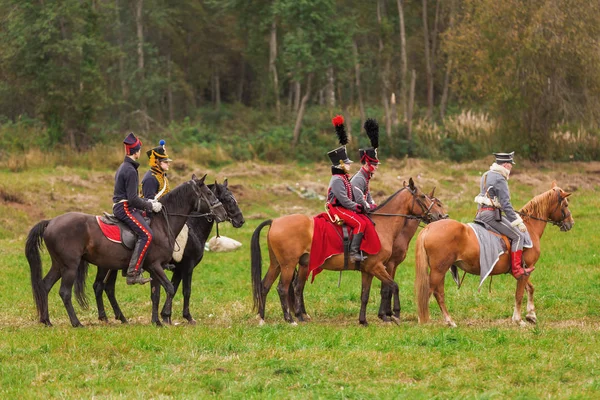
column 495, row 209
column 370, row 163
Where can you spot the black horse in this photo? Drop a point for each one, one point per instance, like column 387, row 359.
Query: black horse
column 74, row 239
column 200, row 226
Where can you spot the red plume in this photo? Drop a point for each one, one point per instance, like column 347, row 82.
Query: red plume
column 338, row 120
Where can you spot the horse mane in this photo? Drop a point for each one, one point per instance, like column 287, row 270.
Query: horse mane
column 177, row 197
column 538, row 205
column 388, row 199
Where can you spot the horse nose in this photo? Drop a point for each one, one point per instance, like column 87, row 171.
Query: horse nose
column 445, row 216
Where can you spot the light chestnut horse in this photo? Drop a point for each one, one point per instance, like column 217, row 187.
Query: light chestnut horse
column 290, row 239
column 444, row 243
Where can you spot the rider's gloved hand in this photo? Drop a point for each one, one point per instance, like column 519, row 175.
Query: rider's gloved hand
column 156, row 205
column 360, row 208
column 522, row 227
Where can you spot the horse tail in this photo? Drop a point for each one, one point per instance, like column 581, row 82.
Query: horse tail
column 422, row 278
column 256, row 269
column 32, row 252
column 80, row 278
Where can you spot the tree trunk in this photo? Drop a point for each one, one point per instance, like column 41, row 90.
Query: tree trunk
column 345, row 113
column 404, row 62
column 385, row 68
column 411, row 104
column 428, row 70
column 361, row 105
column 330, row 88
column 273, row 68
column 124, row 89
column 170, row 89
column 139, row 7
column 445, row 90
column 301, row 110
column 217, row 89
column 297, row 93
column 242, row 80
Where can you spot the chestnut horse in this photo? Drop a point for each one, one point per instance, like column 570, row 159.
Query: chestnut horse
column 74, row 240
column 290, row 239
column 444, row 243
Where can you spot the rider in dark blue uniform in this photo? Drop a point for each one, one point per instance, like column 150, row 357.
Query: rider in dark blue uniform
column 127, row 206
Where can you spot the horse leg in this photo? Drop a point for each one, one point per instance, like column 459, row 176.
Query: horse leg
column 158, row 272
column 287, row 274
column 155, row 298
column 521, row 283
column 272, row 274
column 167, row 309
column 66, row 292
column 367, row 279
column 300, row 283
column 385, row 307
column 187, row 292
column 109, row 288
column 437, row 285
column 49, row 280
column 531, row 317
column 386, row 279
column 98, row 292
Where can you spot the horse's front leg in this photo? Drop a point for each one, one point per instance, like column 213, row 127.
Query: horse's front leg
column 367, row 280
column 167, row 309
column 287, row 274
column 66, row 292
column 99, row 292
column 531, row 317
column 109, row 288
column 300, row 307
column 521, row 284
column 158, row 273
column 155, row 298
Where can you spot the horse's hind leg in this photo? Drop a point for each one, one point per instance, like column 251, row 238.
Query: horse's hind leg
column 385, row 307
column 155, row 298
column 109, row 288
column 99, row 291
column 299, row 284
column 49, row 280
column 436, row 280
column 521, row 284
column 287, row 274
column 66, row 292
column 267, row 282
column 382, row 274
column 367, row 280
column 531, row 317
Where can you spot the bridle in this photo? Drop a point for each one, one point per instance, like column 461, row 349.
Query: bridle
column 562, row 223
column 426, row 217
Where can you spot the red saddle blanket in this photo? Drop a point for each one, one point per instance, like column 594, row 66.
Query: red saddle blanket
column 112, row 232
column 328, row 241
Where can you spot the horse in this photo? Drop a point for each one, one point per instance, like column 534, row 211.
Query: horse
column 445, row 243
column 75, row 240
column 290, row 238
column 200, row 226
column 399, row 250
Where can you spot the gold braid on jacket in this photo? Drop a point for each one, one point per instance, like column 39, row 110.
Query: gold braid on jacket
column 159, row 174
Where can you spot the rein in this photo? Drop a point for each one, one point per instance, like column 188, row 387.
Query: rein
column 424, row 218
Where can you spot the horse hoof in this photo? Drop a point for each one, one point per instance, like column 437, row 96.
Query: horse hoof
column 192, row 321
column 103, row 319
column 451, row 324
column 306, row 317
column 363, row 323
column 532, row 319
column 395, row 320
column 261, row 322
column 293, row 323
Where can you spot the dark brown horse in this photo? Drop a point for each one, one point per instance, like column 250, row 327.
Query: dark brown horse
column 290, row 239
column 74, row 239
column 444, row 243
column 200, row 225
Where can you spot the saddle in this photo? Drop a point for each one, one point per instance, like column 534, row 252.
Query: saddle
column 117, row 231
column 331, row 239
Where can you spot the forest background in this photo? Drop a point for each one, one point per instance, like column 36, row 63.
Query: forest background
column 260, row 79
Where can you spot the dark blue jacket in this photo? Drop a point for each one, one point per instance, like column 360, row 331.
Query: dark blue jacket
column 126, row 185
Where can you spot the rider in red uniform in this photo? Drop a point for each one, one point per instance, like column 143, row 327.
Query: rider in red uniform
column 340, row 196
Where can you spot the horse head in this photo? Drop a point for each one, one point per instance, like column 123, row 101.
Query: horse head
column 561, row 215
column 226, row 197
column 205, row 195
column 429, row 208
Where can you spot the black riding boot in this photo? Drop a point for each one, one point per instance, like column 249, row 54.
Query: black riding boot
column 134, row 276
column 355, row 255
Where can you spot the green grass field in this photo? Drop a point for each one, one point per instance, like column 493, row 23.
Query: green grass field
column 227, row 355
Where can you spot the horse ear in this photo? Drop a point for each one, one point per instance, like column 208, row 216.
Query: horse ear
column 203, row 178
column 193, row 176
column 432, row 192
column 411, row 183
column 565, row 195
column 404, row 183
column 225, row 182
column 553, row 185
